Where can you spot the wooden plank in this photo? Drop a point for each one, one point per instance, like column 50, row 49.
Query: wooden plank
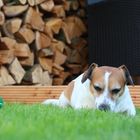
column 37, row 94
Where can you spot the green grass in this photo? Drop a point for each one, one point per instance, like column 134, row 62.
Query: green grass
column 38, row 122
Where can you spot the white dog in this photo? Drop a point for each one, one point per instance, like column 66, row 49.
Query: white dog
column 103, row 88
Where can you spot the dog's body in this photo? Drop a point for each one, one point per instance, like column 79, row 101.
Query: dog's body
column 101, row 88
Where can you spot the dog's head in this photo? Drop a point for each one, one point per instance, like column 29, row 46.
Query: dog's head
column 107, row 84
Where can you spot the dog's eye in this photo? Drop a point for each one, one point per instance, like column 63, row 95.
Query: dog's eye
column 115, row 91
column 97, row 88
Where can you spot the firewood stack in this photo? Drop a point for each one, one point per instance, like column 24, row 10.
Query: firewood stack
column 42, row 41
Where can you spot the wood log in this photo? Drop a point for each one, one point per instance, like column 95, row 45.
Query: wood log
column 16, row 70
column 78, row 43
column 84, row 52
column 6, row 56
column 22, row 50
column 64, row 75
column 67, row 5
column 54, row 24
column 74, row 68
column 74, row 5
column 5, row 78
column 16, row 10
column 2, row 18
column 7, row 43
column 46, row 64
column 31, row 2
column 78, row 53
column 59, row 2
column 55, row 72
column 59, row 58
column 68, row 51
column 59, row 11
column 47, row 5
column 82, row 3
column 11, row 26
column 46, row 79
column 1, row 4
column 6, row 28
column 57, row 81
column 46, row 52
column 75, row 57
column 42, row 40
column 52, row 29
column 48, row 31
column 25, row 35
column 23, row 1
column 75, row 27
column 15, row 24
column 59, row 72
column 37, row 2
column 27, row 61
column 81, row 13
column 58, row 67
column 66, row 32
column 34, row 19
column 34, row 75
column 58, row 45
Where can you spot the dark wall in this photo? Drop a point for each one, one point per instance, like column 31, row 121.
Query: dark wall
column 114, row 33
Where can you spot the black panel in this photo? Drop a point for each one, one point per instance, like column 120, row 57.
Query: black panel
column 114, row 34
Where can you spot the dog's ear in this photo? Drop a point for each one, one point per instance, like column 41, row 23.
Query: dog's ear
column 88, row 72
column 127, row 75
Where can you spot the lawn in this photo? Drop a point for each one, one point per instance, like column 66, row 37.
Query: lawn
column 38, row 122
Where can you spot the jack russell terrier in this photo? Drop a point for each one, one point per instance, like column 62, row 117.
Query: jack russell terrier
column 104, row 88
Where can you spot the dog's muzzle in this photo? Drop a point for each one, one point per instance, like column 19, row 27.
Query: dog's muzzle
column 104, row 107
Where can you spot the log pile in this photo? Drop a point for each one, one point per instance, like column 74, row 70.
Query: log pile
column 42, row 42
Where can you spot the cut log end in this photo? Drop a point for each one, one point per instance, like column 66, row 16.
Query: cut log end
column 2, row 18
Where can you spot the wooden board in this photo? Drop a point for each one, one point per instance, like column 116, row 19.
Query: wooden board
column 37, row 94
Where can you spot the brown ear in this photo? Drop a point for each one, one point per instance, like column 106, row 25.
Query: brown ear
column 88, row 72
column 127, row 75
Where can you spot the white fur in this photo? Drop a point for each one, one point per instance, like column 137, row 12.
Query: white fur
column 103, row 99
column 61, row 102
column 125, row 104
column 81, row 96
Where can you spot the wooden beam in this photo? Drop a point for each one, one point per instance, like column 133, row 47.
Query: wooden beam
column 37, row 94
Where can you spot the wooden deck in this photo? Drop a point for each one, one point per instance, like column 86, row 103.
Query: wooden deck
column 37, row 94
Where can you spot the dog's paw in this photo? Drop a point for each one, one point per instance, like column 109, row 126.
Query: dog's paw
column 131, row 112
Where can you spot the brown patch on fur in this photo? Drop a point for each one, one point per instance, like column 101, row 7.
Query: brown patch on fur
column 91, row 89
column 68, row 90
column 98, row 77
column 116, row 77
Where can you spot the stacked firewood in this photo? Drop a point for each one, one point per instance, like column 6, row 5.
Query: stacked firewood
column 42, row 41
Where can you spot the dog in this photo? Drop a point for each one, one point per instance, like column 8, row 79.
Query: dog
column 104, row 88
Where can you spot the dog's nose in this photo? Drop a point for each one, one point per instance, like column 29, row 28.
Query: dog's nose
column 104, row 107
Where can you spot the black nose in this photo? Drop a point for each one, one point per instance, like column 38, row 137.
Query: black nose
column 104, row 107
